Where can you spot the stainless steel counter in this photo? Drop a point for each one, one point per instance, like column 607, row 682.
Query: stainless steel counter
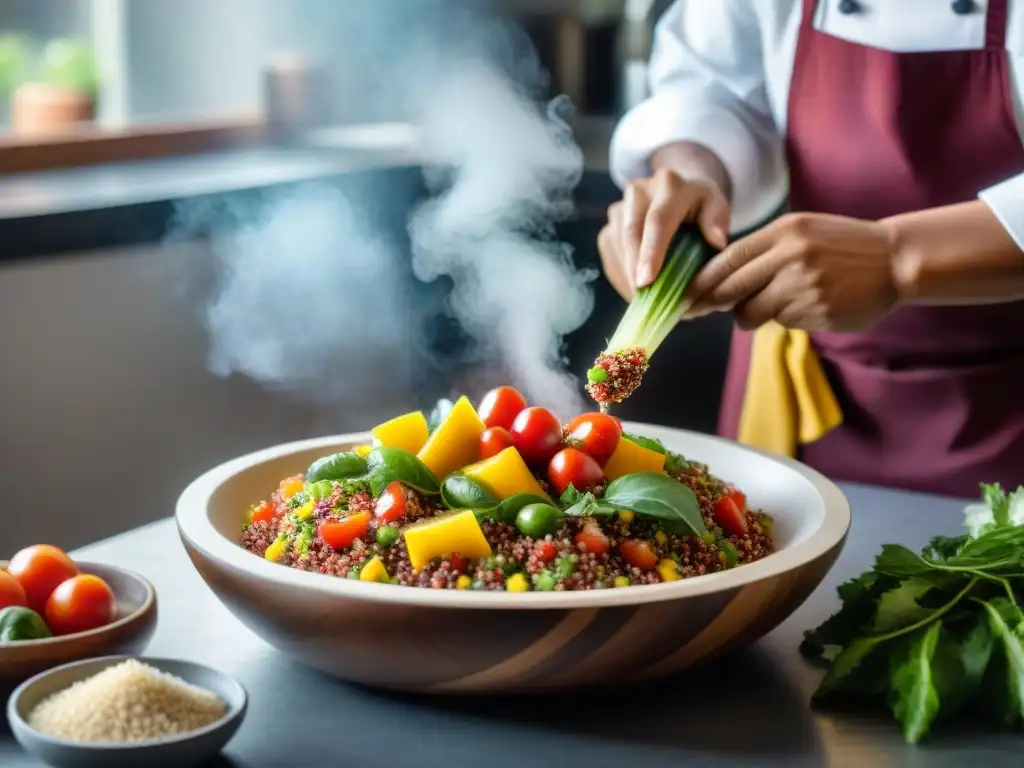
column 747, row 710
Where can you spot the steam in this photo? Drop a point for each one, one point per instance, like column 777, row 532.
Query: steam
column 313, row 296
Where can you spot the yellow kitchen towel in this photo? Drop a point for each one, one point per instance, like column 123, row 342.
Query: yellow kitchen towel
column 788, row 401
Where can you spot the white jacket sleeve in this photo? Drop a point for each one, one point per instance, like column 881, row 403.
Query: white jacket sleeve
column 707, row 79
column 1006, row 200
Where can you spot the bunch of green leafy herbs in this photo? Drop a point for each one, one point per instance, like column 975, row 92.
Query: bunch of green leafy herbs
column 935, row 634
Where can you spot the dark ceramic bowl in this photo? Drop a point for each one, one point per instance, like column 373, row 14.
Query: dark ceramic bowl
column 464, row 641
column 129, row 633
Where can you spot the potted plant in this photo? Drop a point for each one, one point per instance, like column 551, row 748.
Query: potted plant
column 62, row 92
column 12, row 69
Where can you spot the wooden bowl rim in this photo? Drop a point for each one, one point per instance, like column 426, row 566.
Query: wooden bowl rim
column 200, row 535
column 90, row 567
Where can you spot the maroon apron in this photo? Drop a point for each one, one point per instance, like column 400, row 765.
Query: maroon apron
column 932, row 397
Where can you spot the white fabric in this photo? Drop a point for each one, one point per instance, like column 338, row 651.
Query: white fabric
column 720, row 75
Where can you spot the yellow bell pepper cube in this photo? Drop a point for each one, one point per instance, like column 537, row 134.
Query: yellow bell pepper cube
column 517, row 583
column 408, row 432
column 276, row 549
column 374, row 570
column 457, row 533
column 669, row 570
column 630, row 457
column 362, row 450
column 626, row 516
column 660, row 538
column 622, row 581
column 463, row 582
column 505, row 474
column 290, row 486
column 305, row 511
column 456, row 441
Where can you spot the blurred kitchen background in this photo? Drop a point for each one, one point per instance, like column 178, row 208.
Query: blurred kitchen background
column 124, row 123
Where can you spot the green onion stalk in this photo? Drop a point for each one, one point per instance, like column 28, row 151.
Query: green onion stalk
column 648, row 320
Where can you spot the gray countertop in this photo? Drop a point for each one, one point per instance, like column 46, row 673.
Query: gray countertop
column 747, row 710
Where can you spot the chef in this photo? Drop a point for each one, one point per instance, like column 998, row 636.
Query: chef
column 880, row 322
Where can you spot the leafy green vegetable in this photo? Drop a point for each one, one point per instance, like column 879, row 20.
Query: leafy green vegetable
column 657, row 495
column 337, row 466
column 938, row 632
column 321, row 490
column 461, row 492
column 587, row 505
column 385, row 465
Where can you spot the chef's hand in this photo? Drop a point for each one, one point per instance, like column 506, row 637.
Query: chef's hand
column 688, row 187
column 809, row 271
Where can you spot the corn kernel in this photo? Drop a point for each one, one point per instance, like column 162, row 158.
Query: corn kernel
column 661, row 538
column 362, row 450
column 626, row 516
column 463, row 582
column 290, row 486
column 516, row 583
column 276, row 549
column 622, row 581
column 668, row 570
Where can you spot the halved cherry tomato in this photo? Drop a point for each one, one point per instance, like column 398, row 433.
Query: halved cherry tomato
column 458, row 562
column 739, row 497
column 638, row 553
column 571, row 466
column 537, row 435
column 11, row 592
column 500, row 407
column 546, row 551
column 79, row 604
column 39, row 569
column 596, row 434
column 390, row 506
column 493, row 441
column 339, row 534
column 264, row 513
column 730, row 517
column 593, row 540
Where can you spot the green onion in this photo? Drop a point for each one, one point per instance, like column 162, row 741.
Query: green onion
column 648, row 320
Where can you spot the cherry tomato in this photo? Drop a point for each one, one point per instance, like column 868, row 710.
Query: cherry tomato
column 264, row 513
column 596, row 434
column 458, row 562
column 537, row 435
column 339, row 534
column 390, row 506
column 11, row 592
column 500, row 407
column 730, row 517
column 546, row 551
column 593, row 540
column 39, row 569
column 571, row 466
column 493, row 441
column 79, row 604
column 638, row 553
column 739, row 497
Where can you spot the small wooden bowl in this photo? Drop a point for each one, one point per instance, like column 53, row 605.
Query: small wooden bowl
column 129, row 634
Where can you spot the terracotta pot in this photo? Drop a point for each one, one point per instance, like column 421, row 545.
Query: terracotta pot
column 39, row 109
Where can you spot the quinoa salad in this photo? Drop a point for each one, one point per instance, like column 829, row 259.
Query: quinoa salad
column 505, row 497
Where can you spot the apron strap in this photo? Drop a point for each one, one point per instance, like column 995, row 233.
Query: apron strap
column 810, row 8
column 995, row 25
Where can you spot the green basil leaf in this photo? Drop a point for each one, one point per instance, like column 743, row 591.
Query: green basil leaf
column 656, row 495
column 439, row 413
column 1004, row 681
column 589, row 506
column 337, row 466
column 912, row 693
column 569, row 497
column 506, row 511
column 461, row 492
column 385, row 465
column 646, row 442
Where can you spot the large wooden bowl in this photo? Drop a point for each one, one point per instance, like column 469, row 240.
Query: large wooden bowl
column 448, row 641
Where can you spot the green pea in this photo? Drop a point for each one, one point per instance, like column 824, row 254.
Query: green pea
column 566, row 566
column 545, row 581
column 387, row 535
column 597, row 374
column 538, row 520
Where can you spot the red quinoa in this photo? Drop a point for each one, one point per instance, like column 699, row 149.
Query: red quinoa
column 623, row 372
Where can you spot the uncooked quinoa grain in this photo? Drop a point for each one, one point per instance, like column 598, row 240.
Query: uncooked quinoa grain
column 128, row 702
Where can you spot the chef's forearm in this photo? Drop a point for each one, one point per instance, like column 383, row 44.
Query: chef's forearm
column 693, row 161
column 957, row 254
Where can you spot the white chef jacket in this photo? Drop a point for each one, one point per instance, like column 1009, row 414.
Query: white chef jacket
column 720, row 74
